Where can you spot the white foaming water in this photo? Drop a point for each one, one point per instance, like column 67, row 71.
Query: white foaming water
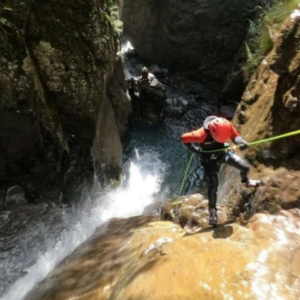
column 126, row 47
column 123, row 202
column 264, row 286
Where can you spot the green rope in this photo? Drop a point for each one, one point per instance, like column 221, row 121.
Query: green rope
column 275, row 138
column 186, row 171
column 184, row 177
column 256, row 142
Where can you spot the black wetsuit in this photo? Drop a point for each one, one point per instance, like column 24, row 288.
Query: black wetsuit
column 211, row 163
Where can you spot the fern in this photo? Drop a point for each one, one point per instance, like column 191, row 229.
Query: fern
column 272, row 22
column 264, row 31
column 254, row 28
column 251, row 61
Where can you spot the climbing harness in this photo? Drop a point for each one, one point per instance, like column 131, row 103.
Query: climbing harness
column 231, row 149
column 229, row 153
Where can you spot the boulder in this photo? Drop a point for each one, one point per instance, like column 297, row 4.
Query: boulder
column 15, row 196
column 148, row 99
column 176, row 107
column 191, row 212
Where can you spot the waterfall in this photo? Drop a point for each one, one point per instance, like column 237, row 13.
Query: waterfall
column 145, row 174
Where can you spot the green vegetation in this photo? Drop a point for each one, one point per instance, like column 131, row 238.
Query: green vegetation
column 111, row 3
column 8, row 103
column 264, row 30
column 118, row 26
column 113, row 15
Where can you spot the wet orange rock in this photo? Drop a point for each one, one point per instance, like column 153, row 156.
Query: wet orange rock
column 276, row 268
column 146, row 259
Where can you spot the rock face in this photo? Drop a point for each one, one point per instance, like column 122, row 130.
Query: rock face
column 64, row 104
column 140, row 258
column 270, row 107
column 206, row 34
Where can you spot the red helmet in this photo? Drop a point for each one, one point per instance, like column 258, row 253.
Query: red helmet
column 220, row 129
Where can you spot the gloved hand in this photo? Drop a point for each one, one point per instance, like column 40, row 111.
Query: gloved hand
column 192, row 148
column 243, row 146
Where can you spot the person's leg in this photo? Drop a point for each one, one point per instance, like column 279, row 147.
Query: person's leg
column 211, row 169
column 240, row 164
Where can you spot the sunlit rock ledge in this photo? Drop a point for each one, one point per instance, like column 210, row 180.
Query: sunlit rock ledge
column 146, row 258
column 270, row 107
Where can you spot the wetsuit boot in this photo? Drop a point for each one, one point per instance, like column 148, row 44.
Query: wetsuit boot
column 213, row 217
column 252, row 183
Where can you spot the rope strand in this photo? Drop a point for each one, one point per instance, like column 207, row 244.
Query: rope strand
column 186, row 171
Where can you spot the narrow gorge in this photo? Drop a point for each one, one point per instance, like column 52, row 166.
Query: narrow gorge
column 99, row 199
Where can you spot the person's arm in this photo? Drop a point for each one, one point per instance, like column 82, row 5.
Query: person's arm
column 197, row 136
column 237, row 139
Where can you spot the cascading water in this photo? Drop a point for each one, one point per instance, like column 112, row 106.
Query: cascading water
column 125, row 201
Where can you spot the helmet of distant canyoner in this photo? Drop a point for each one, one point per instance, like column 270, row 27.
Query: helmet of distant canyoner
column 145, row 70
column 220, row 129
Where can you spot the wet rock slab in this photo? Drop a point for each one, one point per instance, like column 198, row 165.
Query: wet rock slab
column 143, row 258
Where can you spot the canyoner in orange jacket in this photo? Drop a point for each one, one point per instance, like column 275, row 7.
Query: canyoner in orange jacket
column 213, row 136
